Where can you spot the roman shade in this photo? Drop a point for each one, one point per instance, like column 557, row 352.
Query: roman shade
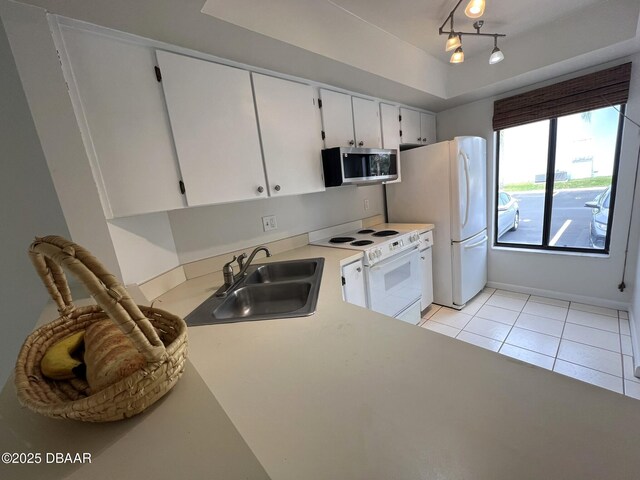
column 589, row 92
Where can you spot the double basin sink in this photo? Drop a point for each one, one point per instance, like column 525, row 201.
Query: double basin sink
column 271, row 290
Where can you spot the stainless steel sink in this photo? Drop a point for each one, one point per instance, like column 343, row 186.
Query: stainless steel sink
column 284, row 271
column 272, row 290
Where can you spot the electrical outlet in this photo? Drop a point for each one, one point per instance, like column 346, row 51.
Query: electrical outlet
column 366, row 204
column 269, row 223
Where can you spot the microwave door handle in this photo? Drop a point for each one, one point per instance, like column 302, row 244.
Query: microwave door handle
column 386, row 262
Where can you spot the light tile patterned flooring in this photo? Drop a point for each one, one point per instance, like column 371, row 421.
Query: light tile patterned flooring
column 589, row 343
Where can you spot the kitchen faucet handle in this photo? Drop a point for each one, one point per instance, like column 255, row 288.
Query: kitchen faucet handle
column 241, row 259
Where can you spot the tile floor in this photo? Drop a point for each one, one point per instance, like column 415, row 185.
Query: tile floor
column 589, row 343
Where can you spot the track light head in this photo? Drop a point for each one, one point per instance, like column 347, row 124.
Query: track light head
column 475, row 9
column 458, row 56
column 453, row 42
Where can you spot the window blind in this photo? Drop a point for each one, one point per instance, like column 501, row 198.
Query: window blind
column 589, row 92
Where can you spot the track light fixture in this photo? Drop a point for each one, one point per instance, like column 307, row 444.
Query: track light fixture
column 474, row 9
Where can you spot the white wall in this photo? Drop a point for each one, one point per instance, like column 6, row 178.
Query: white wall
column 30, row 207
column 213, row 230
column 592, row 279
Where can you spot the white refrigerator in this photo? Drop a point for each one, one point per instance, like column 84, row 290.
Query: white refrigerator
column 446, row 184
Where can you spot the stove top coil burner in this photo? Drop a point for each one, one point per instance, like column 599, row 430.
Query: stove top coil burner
column 361, row 243
column 366, row 230
column 341, row 239
column 385, row 233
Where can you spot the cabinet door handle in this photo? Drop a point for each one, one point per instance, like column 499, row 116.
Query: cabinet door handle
column 360, row 143
column 419, row 139
column 424, row 139
column 277, row 188
column 422, row 258
column 352, row 142
column 359, row 269
column 260, row 189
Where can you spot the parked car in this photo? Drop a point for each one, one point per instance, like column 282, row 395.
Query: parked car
column 599, row 218
column 508, row 213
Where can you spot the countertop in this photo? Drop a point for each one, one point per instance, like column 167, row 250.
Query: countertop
column 345, row 394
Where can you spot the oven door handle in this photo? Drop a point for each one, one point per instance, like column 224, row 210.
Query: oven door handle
column 386, row 262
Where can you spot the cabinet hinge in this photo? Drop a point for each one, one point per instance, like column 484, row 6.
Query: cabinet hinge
column 344, row 282
column 319, row 103
column 401, row 133
column 323, row 135
column 399, row 118
column 158, row 73
column 182, row 189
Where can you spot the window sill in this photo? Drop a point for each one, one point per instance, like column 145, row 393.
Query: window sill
column 550, row 252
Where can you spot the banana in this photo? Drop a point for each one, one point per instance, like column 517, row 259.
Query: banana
column 57, row 363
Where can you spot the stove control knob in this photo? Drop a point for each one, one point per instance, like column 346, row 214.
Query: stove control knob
column 402, row 243
column 372, row 255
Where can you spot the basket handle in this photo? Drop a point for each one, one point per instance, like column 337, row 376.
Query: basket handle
column 49, row 254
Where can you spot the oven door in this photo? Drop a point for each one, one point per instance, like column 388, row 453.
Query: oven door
column 395, row 283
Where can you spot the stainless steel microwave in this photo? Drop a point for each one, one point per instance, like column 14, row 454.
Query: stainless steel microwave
column 358, row 166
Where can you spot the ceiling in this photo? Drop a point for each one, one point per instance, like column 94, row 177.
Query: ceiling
column 417, row 21
column 382, row 48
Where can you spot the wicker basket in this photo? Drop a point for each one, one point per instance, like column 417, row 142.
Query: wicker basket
column 160, row 336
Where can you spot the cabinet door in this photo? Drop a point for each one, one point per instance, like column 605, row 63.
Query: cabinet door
column 410, row 126
column 337, row 119
column 121, row 110
column 389, row 115
column 290, row 132
column 426, row 263
column 353, row 287
column 428, row 128
column 215, row 129
column 366, row 123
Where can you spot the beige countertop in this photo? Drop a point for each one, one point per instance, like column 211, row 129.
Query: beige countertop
column 346, row 394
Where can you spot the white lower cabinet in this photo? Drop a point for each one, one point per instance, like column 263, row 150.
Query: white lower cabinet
column 426, row 263
column 290, row 129
column 353, row 284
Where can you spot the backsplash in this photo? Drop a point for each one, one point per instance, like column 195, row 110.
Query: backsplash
column 213, row 230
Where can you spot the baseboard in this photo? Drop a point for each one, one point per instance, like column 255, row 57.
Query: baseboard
column 635, row 342
column 600, row 302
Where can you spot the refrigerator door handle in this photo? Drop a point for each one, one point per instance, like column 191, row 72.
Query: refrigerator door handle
column 465, row 161
column 477, row 244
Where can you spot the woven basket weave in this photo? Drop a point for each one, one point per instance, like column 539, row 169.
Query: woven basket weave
column 160, row 336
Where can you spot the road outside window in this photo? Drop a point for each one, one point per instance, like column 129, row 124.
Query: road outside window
column 555, row 181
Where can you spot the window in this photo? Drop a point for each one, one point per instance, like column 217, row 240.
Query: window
column 556, row 181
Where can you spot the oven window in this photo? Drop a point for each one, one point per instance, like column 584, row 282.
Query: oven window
column 397, row 276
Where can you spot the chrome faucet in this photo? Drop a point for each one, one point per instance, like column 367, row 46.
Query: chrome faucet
column 231, row 280
column 243, row 266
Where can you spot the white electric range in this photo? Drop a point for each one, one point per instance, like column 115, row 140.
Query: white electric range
column 392, row 267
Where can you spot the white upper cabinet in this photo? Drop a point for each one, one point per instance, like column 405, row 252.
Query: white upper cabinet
column 366, row 121
column 428, row 128
column 410, row 126
column 337, row 119
column 214, row 128
column 121, row 112
column 417, row 127
column 349, row 121
column 290, row 130
column 390, row 120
